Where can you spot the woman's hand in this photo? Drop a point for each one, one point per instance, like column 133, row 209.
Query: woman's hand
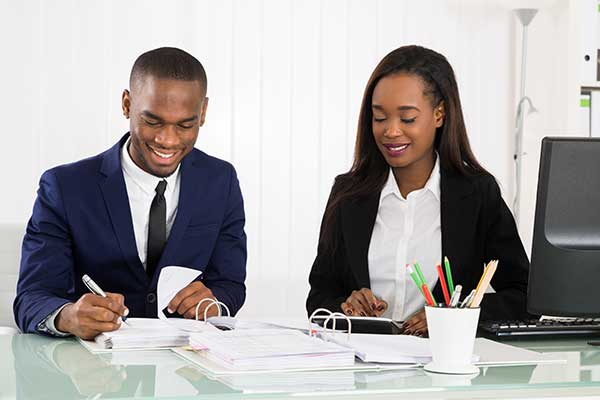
column 363, row 303
column 416, row 324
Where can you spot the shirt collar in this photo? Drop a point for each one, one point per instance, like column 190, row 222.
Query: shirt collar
column 432, row 185
column 147, row 182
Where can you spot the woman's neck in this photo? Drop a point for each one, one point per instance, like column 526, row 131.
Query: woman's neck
column 414, row 176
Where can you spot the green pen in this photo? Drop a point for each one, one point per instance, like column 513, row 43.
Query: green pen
column 415, row 278
column 419, row 272
column 449, row 276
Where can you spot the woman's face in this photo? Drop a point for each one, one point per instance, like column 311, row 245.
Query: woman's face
column 404, row 120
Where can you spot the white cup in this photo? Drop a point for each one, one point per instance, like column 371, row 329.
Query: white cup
column 452, row 337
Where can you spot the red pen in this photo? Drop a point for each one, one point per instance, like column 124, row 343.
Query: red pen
column 430, row 301
column 443, row 284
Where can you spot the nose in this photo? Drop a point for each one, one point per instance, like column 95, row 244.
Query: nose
column 167, row 137
column 392, row 130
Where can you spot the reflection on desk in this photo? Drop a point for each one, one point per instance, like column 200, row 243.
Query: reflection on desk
column 37, row 367
column 65, row 367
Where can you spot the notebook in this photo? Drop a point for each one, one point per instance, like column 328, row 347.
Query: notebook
column 268, row 349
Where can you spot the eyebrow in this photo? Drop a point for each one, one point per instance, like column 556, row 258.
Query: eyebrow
column 401, row 108
column 156, row 117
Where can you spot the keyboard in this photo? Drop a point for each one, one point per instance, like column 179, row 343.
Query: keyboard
column 535, row 327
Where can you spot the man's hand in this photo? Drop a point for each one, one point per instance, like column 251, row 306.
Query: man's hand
column 363, row 303
column 186, row 300
column 416, row 324
column 92, row 315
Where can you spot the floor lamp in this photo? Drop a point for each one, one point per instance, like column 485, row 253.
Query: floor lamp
column 525, row 16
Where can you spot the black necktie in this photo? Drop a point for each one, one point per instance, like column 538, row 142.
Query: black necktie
column 157, row 228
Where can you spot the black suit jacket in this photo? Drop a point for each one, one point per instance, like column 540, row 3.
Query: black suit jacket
column 476, row 226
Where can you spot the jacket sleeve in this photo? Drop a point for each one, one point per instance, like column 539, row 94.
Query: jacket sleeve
column 502, row 242
column 226, row 270
column 46, row 271
column 325, row 279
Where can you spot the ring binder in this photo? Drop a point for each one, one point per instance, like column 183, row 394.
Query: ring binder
column 311, row 331
column 333, row 315
column 213, row 302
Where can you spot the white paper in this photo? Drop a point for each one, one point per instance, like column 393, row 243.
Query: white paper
column 171, row 280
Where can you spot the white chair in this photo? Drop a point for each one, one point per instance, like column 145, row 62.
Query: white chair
column 11, row 237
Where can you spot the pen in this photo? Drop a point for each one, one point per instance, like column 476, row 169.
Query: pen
column 449, row 275
column 419, row 272
column 95, row 289
column 455, row 296
column 489, row 273
column 428, row 296
column 467, row 300
column 415, row 277
column 443, row 285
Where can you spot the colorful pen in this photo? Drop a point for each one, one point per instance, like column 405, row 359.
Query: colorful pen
column 449, row 276
column 443, row 284
column 428, row 296
column 415, row 278
column 419, row 272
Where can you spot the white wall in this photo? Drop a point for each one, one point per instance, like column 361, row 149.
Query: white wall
column 285, row 84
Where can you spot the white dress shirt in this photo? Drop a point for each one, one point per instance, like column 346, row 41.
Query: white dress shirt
column 140, row 187
column 406, row 230
column 141, row 191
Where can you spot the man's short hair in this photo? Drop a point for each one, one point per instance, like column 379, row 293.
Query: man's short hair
column 169, row 63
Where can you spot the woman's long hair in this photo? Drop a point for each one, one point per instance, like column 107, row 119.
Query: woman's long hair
column 370, row 170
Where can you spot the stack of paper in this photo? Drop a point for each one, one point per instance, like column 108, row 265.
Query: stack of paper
column 258, row 349
column 396, row 349
column 143, row 333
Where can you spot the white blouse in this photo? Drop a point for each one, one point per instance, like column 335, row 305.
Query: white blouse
column 405, row 231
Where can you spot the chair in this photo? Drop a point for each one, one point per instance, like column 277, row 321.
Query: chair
column 11, row 237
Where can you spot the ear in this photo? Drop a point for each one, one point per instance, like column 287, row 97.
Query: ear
column 126, row 103
column 203, row 111
column 439, row 114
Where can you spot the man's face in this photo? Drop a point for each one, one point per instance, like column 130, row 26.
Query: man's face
column 165, row 116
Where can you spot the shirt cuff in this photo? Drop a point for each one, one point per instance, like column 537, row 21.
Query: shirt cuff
column 47, row 325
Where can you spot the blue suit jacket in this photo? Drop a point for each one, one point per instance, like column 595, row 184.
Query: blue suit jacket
column 81, row 224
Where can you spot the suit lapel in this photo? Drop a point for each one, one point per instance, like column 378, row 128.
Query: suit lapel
column 112, row 186
column 358, row 219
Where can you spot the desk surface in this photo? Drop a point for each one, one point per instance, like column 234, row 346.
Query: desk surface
column 35, row 367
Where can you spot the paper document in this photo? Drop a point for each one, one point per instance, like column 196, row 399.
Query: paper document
column 139, row 333
column 256, row 349
column 171, row 280
column 234, row 323
column 375, row 348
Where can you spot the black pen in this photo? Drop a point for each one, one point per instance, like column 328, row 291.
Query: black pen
column 95, row 289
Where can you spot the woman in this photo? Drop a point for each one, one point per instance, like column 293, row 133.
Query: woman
column 415, row 192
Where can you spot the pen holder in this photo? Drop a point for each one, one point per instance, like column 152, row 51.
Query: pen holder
column 452, row 337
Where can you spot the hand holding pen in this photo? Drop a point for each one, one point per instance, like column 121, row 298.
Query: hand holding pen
column 93, row 313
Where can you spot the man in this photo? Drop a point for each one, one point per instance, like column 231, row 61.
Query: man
column 150, row 201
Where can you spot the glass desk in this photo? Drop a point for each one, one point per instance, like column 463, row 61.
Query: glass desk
column 35, row 367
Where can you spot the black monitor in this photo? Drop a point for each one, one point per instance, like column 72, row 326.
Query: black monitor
column 564, row 278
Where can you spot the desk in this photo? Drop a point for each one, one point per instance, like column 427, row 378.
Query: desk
column 35, row 367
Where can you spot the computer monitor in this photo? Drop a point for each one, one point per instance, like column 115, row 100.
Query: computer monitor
column 564, row 278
